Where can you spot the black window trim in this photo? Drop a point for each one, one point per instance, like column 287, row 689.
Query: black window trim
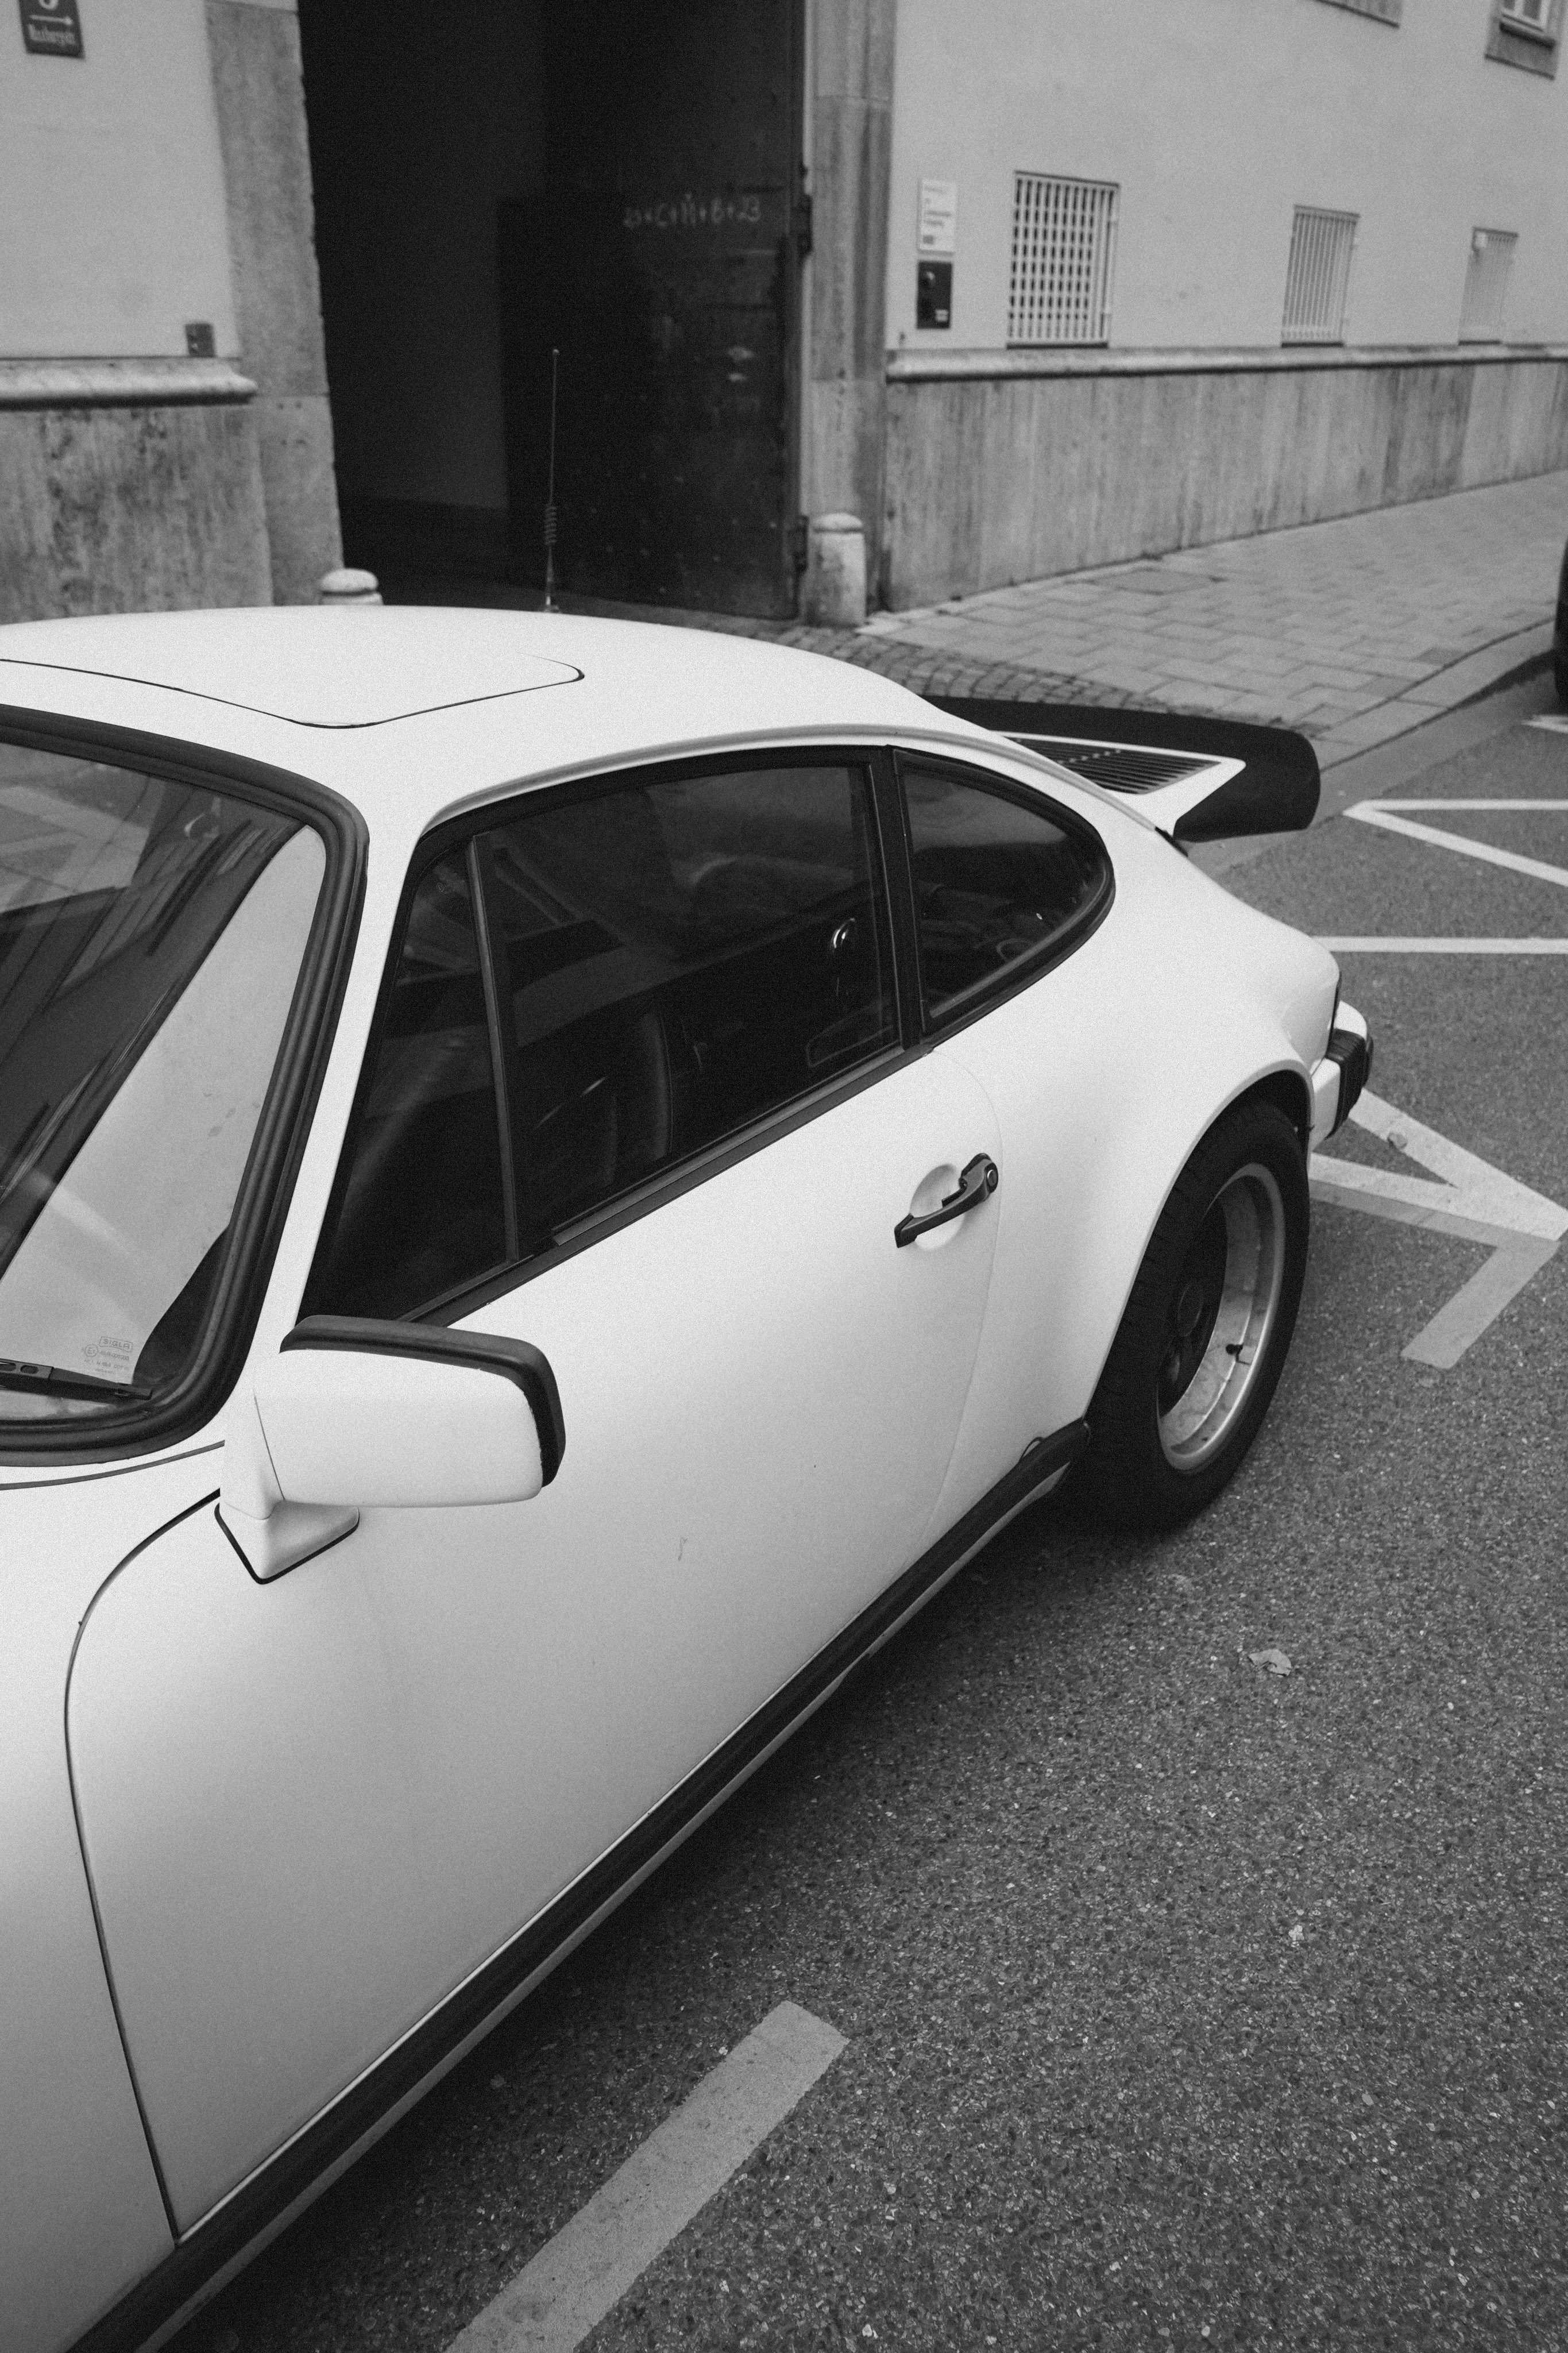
column 462, row 833
column 983, row 996
column 267, row 1186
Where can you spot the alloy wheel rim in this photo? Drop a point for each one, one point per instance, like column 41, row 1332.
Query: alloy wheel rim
column 1220, row 1318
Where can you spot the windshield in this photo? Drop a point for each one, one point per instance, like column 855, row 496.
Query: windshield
column 151, row 938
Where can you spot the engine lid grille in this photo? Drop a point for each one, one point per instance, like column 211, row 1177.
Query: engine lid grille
column 1122, row 767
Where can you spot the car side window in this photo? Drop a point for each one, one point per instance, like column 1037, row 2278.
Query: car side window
column 675, row 958
column 997, row 878
column 682, row 956
column 422, row 1207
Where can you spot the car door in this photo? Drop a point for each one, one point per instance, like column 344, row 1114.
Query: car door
column 642, row 1093
column 1018, row 985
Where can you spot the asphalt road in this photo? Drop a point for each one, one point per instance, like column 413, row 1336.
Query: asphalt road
column 1187, row 2004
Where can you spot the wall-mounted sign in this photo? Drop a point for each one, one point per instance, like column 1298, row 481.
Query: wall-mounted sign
column 937, row 231
column 51, row 28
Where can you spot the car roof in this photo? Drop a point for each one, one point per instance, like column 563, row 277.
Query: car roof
column 418, row 712
column 370, row 665
column 361, row 666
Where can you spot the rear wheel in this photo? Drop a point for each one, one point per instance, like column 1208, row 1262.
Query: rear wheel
column 1204, row 1335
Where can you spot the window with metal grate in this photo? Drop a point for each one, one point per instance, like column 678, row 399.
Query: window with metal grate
column 1486, row 284
column 1318, row 276
column 1064, row 251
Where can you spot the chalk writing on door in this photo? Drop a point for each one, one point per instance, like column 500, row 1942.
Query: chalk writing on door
column 689, row 211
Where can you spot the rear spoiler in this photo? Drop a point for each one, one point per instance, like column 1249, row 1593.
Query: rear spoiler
column 1197, row 779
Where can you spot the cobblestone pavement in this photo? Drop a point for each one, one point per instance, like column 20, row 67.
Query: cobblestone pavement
column 1354, row 630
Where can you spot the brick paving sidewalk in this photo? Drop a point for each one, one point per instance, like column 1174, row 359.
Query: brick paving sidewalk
column 1354, row 630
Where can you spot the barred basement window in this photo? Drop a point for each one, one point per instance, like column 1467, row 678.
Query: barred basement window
column 1318, row 276
column 1064, row 249
column 1486, row 285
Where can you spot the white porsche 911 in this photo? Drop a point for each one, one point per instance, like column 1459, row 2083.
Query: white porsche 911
column 556, row 1181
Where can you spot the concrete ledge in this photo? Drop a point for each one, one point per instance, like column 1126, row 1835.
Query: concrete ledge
column 121, row 383
column 927, row 366
column 1019, row 473
column 130, row 506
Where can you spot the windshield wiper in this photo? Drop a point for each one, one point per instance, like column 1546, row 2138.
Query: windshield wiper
column 53, row 1380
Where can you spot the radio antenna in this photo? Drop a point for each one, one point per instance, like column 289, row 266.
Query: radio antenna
column 549, row 604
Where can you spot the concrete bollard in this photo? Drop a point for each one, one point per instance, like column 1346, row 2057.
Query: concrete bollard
column 348, row 587
column 834, row 591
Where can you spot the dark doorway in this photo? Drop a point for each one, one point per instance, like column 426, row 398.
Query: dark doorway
column 420, row 121
column 661, row 260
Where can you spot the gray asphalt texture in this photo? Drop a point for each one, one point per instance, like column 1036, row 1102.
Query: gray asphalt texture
column 1187, row 2005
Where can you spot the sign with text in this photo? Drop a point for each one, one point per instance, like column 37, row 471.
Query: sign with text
column 938, row 230
column 51, row 28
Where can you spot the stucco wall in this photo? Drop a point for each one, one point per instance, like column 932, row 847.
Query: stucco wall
column 130, row 473
column 1217, row 118
column 112, row 189
column 1002, row 476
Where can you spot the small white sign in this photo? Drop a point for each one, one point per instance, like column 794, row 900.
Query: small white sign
column 939, row 216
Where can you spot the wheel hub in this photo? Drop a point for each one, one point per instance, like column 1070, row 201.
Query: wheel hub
column 1222, row 1307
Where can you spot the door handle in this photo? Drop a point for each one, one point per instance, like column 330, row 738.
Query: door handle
column 977, row 1183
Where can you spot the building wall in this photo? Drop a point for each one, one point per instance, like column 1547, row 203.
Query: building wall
column 850, row 46
column 996, row 477
column 258, row 86
column 1217, row 118
column 1215, row 121
column 130, row 471
column 129, row 485
column 112, row 189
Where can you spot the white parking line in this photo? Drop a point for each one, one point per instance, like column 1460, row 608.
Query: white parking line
column 1385, row 813
column 1374, row 946
column 586, row 2268
column 1492, row 801
column 1472, row 1201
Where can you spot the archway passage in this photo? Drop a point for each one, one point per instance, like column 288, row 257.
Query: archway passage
column 660, row 260
column 616, row 180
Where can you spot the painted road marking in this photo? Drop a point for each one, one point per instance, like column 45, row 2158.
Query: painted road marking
column 1444, row 947
column 586, row 2268
column 1470, row 1200
column 1385, row 813
column 1492, row 801
column 1553, row 724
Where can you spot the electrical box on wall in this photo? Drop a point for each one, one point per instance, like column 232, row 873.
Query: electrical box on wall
column 934, row 294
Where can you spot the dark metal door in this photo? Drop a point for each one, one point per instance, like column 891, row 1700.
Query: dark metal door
column 662, row 261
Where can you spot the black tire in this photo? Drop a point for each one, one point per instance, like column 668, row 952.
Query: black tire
column 1180, row 1400
column 1560, row 677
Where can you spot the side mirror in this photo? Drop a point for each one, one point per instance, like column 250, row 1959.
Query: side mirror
column 353, row 1413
